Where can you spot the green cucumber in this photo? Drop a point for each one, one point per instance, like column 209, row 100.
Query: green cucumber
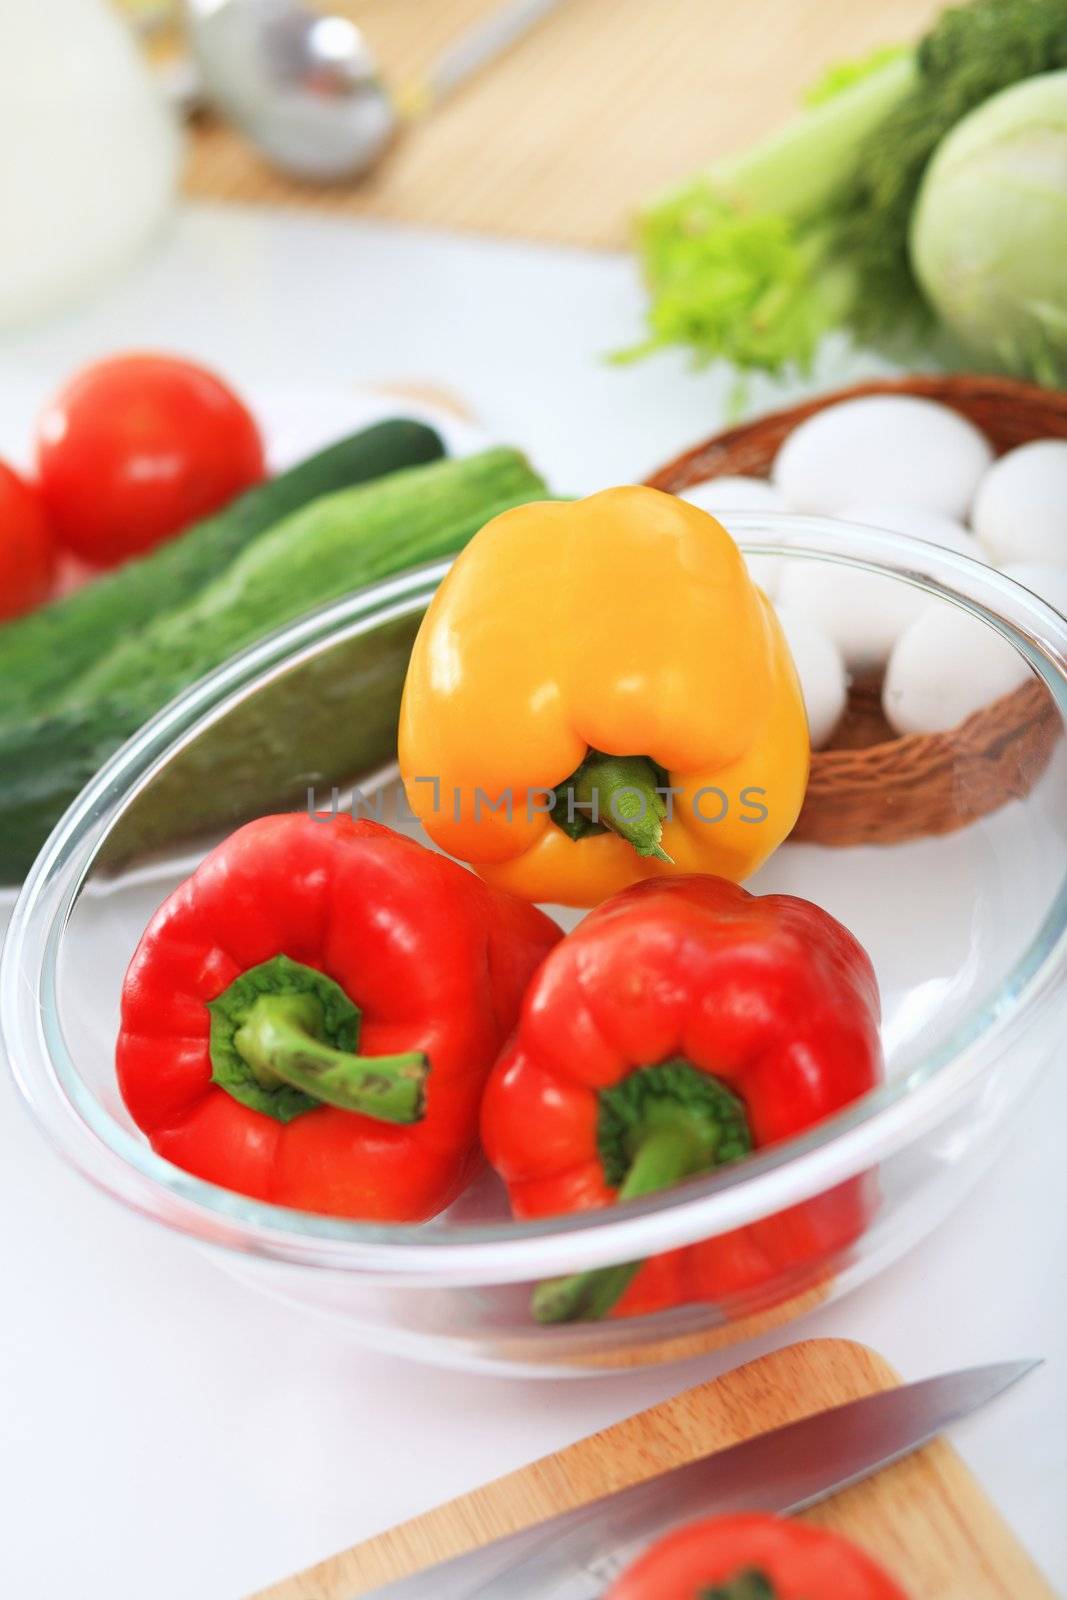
column 41, row 654
column 337, row 545
column 45, row 762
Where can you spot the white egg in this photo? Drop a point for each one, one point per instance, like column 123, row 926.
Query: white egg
column 1048, row 582
column 862, row 613
column 865, row 614
column 945, row 667
column 916, row 523
column 893, row 448
column 735, row 493
column 1020, row 509
column 821, row 672
column 720, row 496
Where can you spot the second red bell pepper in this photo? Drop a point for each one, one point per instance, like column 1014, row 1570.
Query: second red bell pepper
column 683, row 1024
column 294, row 941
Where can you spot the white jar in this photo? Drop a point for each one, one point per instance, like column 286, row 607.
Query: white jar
column 89, row 153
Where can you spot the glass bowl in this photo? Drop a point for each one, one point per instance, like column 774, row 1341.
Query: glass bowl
column 966, row 930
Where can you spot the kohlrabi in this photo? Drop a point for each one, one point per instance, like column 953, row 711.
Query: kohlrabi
column 989, row 232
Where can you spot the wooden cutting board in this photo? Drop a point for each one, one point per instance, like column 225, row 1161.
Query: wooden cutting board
column 925, row 1519
column 603, row 105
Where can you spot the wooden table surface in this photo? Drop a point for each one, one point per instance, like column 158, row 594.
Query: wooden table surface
column 601, row 106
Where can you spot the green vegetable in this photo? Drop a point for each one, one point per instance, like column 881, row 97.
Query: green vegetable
column 989, row 235
column 44, row 763
column 757, row 260
column 843, row 74
column 335, row 545
column 42, row 653
column 321, row 553
column 296, row 732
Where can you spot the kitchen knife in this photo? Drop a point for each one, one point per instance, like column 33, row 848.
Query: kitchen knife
column 575, row 1556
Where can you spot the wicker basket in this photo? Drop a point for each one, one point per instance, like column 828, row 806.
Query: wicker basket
column 871, row 786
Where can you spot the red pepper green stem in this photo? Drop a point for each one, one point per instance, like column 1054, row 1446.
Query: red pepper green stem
column 667, row 1123
column 745, row 1586
column 665, row 1157
column 616, row 792
column 283, row 1041
column 279, row 1042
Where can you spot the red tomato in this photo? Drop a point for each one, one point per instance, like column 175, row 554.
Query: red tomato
column 26, row 548
column 754, row 1558
column 136, row 448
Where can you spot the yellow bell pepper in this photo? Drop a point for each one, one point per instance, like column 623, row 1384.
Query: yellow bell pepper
column 599, row 693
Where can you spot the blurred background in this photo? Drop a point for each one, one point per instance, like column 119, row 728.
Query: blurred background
column 561, row 137
column 464, row 198
column 601, row 105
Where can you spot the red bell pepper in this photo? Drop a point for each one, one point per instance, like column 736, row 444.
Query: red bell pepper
column 294, row 940
column 683, row 1024
column 754, row 1558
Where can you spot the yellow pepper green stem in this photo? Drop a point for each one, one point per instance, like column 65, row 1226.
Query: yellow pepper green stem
column 617, row 792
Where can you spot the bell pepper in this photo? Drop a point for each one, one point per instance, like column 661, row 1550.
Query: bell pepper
column 598, row 694
column 754, row 1558
column 683, row 1024
column 294, row 941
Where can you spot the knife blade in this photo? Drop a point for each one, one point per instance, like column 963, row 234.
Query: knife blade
column 574, row 1556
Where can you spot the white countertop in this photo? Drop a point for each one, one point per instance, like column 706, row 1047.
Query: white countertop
column 165, row 1433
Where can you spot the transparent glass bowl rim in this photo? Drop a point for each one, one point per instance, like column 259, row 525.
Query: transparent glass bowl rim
column 889, row 1118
